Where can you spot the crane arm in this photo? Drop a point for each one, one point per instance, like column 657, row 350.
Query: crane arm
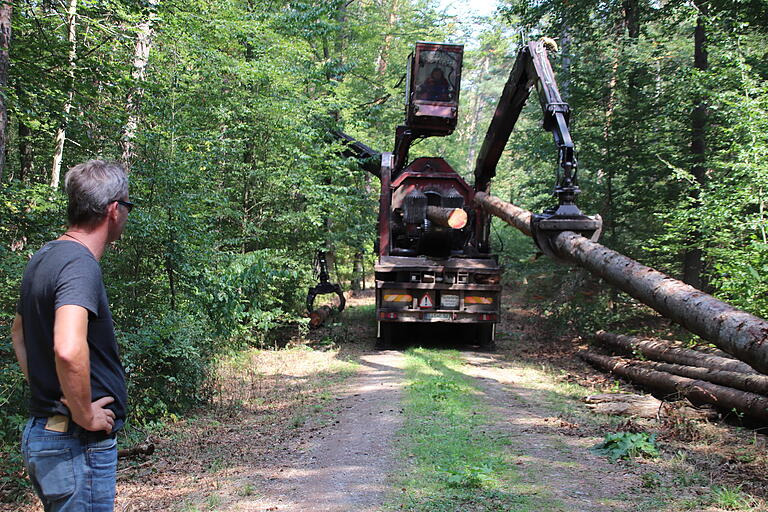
column 532, row 69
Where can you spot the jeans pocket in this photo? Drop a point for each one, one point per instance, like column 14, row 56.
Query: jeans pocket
column 103, row 454
column 54, row 471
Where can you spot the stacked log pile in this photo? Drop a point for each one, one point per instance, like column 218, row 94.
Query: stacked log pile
column 701, row 377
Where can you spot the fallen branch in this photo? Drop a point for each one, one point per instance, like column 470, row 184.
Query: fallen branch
column 697, row 391
column 661, row 351
column 319, row 316
column 139, row 449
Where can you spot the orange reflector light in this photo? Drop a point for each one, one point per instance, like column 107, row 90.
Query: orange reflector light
column 478, row 300
column 397, row 298
column 387, row 315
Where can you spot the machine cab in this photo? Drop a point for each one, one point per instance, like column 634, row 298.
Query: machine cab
column 432, row 88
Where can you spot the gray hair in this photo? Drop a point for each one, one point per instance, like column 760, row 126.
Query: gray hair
column 91, row 187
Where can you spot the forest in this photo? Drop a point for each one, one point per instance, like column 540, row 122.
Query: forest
column 223, row 110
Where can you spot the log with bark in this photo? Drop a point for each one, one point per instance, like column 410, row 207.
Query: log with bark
column 755, row 383
column 455, row 218
column 737, row 332
column 696, row 391
column 661, row 351
column 509, row 213
column 319, row 316
column 642, row 406
column 139, row 449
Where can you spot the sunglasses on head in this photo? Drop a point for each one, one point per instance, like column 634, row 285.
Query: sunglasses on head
column 129, row 205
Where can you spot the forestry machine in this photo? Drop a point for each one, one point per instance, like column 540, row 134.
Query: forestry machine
column 434, row 256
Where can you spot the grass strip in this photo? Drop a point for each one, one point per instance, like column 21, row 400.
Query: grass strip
column 455, row 461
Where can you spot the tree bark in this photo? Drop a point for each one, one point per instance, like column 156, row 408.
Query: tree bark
column 133, row 104
column 745, row 382
column 509, row 213
column 6, row 9
column 61, row 133
column 697, row 391
column 661, row 351
column 737, row 332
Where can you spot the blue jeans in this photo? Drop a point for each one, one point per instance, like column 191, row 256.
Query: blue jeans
column 72, row 471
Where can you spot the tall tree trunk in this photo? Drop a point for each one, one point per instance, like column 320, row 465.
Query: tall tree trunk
column 133, row 104
column 693, row 262
column 565, row 61
column 26, row 155
column 6, row 8
column 357, row 271
column 477, row 107
column 61, row 133
column 381, row 59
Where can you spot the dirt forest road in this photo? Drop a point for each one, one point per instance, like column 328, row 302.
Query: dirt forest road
column 347, row 466
column 323, row 427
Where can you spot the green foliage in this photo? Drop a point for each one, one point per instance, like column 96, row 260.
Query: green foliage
column 166, row 362
column 627, row 445
column 472, row 477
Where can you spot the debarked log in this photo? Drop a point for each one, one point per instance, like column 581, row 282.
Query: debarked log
column 696, row 391
column 643, row 406
column 737, row 332
column 660, row 351
column 319, row 316
column 455, row 218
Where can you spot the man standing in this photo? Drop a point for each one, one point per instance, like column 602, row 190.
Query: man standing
column 64, row 340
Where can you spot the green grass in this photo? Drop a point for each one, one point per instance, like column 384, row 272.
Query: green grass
column 456, row 463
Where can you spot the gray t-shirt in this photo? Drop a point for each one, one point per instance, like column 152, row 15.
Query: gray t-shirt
column 62, row 273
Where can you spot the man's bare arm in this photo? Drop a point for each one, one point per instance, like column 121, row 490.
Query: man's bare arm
column 70, row 346
column 17, row 337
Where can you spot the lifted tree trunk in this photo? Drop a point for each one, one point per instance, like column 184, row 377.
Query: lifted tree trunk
column 737, row 332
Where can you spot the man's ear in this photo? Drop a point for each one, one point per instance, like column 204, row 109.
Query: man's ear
column 112, row 210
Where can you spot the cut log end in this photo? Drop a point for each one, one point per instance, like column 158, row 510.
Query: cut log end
column 455, row 218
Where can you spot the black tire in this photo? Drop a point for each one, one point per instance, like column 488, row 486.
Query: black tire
column 485, row 338
column 384, row 341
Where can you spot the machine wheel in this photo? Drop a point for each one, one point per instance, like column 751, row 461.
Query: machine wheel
column 485, row 337
column 384, row 341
